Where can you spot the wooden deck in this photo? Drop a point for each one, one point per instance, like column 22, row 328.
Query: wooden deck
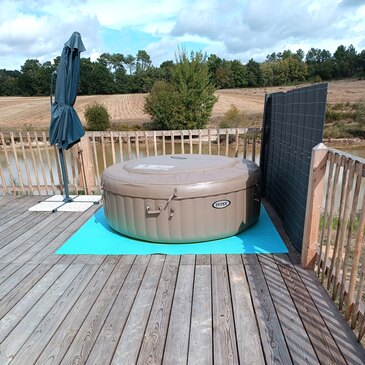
column 221, row 309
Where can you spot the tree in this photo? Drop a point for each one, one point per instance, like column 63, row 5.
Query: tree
column 121, row 81
column 267, row 74
column 29, row 77
column 299, row 55
column 297, row 70
column 104, row 59
column 95, row 78
column 223, row 76
column 102, row 79
column 319, row 63
column 239, row 74
column 44, row 78
column 117, row 60
column 253, row 73
column 287, row 54
column 143, row 81
column 197, row 94
column 360, row 64
column 166, row 68
column 280, row 72
column 271, row 57
column 187, row 101
column 143, row 61
column 116, row 73
column 9, row 83
column 130, row 63
column 345, row 61
column 86, row 82
column 213, row 62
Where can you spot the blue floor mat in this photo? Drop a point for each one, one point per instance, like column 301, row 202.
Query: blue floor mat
column 95, row 237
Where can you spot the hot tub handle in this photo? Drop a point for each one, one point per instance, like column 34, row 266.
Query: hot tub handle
column 153, row 212
column 174, row 195
column 172, row 212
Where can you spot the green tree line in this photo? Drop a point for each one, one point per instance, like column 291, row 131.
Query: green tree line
column 118, row 74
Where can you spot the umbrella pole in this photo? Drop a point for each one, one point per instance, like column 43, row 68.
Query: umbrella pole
column 67, row 198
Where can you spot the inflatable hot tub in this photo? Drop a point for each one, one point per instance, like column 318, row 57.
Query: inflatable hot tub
column 181, row 198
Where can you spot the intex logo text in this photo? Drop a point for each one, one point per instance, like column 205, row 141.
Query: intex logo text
column 220, row 204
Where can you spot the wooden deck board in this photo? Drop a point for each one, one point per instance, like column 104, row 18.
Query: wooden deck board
column 24, row 295
column 153, row 344
column 5, row 200
column 299, row 345
column 224, row 336
column 20, row 273
column 46, row 254
column 107, row 341
column 7, row 270
column 16, row 336
column 248, row 337
column 177, row 342
column 322, row 341
column 200, row 341
column 88, row 332
column 272, row 337
column 345, row 338
column 131, row 339
column 60, row 341
column 195, row 309
column 23, row 230
column 35, row 344
column 14, row 249
column 27, row 250
column 16, row 207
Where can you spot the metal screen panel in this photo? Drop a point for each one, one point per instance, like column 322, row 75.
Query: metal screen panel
column 293, row 125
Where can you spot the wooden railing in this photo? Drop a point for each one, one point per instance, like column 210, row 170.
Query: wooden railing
column 28, row 165
column 333, row 243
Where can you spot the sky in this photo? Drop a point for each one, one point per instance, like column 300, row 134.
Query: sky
column 231, row 29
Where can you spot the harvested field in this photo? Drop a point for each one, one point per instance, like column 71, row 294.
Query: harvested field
column 26, row 113
column 21, row 113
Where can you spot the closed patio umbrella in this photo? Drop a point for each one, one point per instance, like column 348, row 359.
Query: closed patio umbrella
column 65, row 128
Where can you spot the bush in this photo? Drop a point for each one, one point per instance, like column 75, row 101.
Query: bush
column 359, row 111
column 339, row 111
column 187, row 101
column 317, row 79
column 232, row 118
column 165, row 106
column 97, row 117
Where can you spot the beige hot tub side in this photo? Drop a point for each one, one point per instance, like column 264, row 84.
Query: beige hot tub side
column 181, row 198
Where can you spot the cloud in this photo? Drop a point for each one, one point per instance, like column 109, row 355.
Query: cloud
column 162, row 50
column 136, row 13
column 25, row 33
column 233, row 29
column 36, row 29
column 246, row 27
column 351, row 3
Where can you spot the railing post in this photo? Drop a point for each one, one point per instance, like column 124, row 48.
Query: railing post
column 314, row 205
column 86, row 165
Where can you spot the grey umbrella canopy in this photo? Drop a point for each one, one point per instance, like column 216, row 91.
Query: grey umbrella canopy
column 66, row 129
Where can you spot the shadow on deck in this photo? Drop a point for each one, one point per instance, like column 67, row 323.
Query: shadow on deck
column 222, row 309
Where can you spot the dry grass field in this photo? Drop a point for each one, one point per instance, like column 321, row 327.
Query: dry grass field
column 27, row 113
